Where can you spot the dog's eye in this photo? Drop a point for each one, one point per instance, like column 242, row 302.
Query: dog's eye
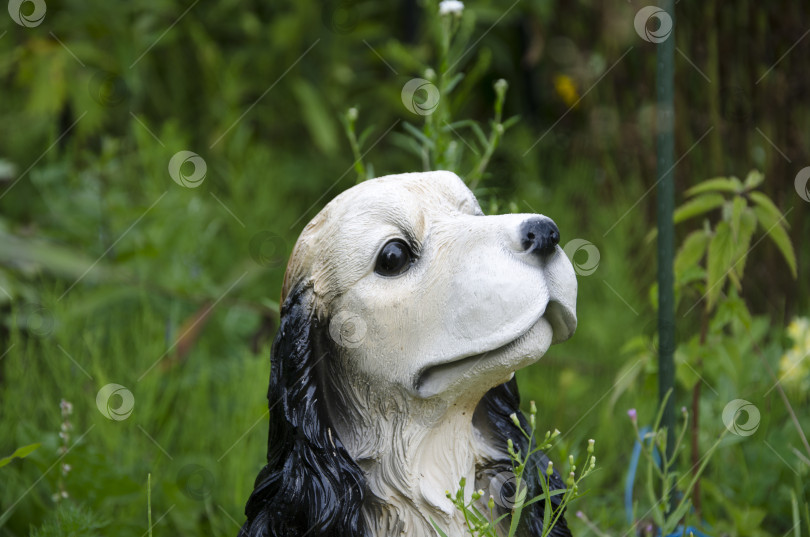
column 394, row 259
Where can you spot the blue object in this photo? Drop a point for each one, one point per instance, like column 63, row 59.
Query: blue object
column 630, row 481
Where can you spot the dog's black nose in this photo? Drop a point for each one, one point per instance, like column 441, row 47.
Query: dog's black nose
column 539, row 235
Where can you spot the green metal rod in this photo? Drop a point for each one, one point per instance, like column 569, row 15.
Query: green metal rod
column 665, row 78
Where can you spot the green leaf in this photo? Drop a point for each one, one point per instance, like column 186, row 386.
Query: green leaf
column 686, row 376
column 437, row 528
column 453, row 83
column 718, row 264
column 697, row 206
column 768, row 206
column 778, row 235
column 361, row 140
column 718, row 184
column 745, row 230
column 691, row 252
column 19, row 453
column 676, row 516
column 753, row 179
column 43, row 255
column 475, row 127
column 629, row 373
column 737, row 206
column 794, row 507
column 418, row 134
column 509, row 122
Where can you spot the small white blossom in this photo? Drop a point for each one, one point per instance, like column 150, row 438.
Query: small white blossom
column 448, row 7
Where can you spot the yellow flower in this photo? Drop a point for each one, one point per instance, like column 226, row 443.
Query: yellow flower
column 794, row 366
column 567, row 90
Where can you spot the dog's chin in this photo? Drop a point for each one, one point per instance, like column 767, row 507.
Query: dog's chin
column 473, row 375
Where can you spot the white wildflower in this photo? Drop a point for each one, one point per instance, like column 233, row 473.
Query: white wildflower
column 451, row 7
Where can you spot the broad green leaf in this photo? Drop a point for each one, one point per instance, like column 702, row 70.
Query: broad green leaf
column 718, row 184
column 690, row 254
column 695, row 273
column 745, row 230
column 767, row 205
column 773, row 227
column 753, row 179
column 697, row 206
column 19, row 453
column 737, row 207
column 735, row 280
column 718, row 264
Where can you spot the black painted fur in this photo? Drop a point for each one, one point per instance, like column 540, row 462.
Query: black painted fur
column 310, row 485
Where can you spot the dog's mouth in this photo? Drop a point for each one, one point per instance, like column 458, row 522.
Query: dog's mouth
column 434, row 379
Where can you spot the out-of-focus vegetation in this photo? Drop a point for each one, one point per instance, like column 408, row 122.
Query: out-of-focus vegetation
column 111, row 272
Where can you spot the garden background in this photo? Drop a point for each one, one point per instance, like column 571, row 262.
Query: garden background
column 112, row 271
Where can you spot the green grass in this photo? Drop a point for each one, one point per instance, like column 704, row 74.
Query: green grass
column 160, row 256
column 198, row 427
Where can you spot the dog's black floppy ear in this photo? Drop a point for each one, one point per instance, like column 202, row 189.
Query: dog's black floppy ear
column 499, row 404
column 310, row 484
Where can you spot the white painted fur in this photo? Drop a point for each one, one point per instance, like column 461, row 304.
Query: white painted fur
column 473, row 293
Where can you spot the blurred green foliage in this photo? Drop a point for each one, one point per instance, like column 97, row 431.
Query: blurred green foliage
column 111, row 272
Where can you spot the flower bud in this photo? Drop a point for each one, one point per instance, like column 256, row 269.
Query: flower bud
column 555, row 434
column 515, row 419
column 571, row 480
column 532, row 408
column 351, row 114
column 550, row 468
column 591, row 442
column 491, row 503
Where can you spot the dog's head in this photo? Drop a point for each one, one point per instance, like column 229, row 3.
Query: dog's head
column 402, row 285
column 422, row 291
